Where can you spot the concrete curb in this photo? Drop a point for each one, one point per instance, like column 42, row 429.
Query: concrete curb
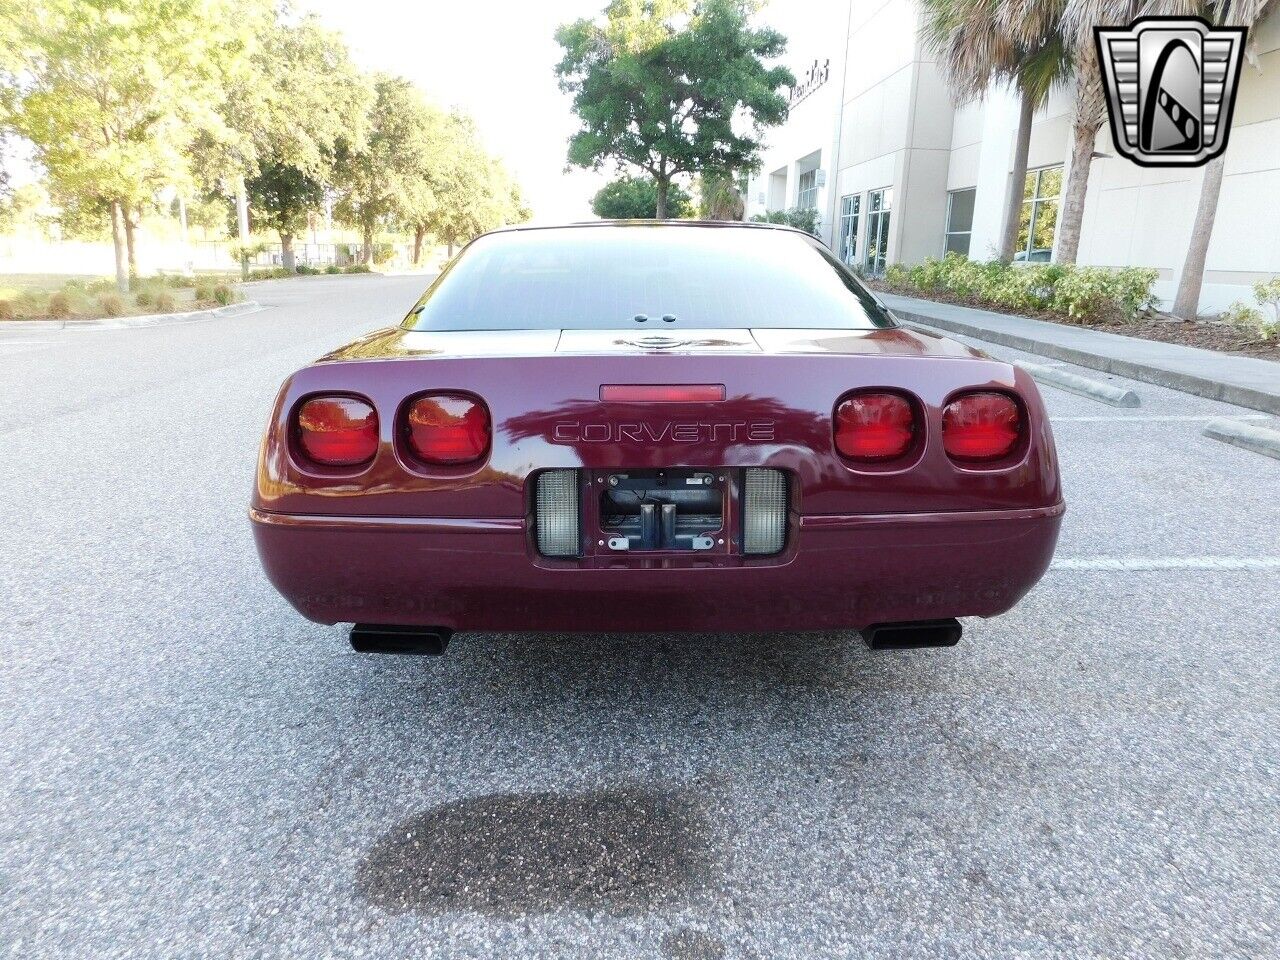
column 1203, row 386
column 1093, row 389
column 1246, row 435
column 146, row 320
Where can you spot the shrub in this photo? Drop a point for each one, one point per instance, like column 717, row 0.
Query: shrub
column 179, row 281
column 109, row 304
column 164, row 302
column 306, row 270
column 333, row 268
column 58, row 306
column 204, row 290
column 896, row 275
column 7, row 311
column 356, row 268
column 144, row 298
column 225, row 294
column 799, row 217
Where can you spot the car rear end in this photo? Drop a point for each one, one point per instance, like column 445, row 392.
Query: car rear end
column 697, row 478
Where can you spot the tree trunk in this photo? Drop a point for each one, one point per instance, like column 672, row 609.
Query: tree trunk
column 1083, row 136
column 419, row 234
column 663, row 185
column 366, row 255
column 1017, row 179
column 286, row 252
column 1187, row 303
column 117, row 240
column 129, row 227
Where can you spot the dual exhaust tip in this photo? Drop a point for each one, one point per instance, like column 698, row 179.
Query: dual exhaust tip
column 433, row 641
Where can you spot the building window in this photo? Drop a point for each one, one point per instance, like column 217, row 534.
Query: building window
column 1039, row 220
column 959, row 221
column 850, row 208
column 807, row 191
column 879, row 203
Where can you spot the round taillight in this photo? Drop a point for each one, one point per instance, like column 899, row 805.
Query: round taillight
column 337, row 431
column 874, row 426
column 448, row 428
column 981, row 426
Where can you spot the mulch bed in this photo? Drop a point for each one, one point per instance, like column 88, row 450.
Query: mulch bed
column 1206, row 334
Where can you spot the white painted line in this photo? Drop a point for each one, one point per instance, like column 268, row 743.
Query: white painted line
column 1074, row 383
column 1166, row 563
column 1246, row 435
column 1159, row 418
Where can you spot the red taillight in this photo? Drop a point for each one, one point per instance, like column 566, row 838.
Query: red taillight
column 337, row 431
column 980, row 426
column 874, row 426
column 448, row 428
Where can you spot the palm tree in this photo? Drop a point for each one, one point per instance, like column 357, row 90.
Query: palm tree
column 1231, row 13
column 719, row 198
column 975, row 49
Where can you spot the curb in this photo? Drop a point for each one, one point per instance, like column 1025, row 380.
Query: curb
column 1246, row 435
column 146, row 320
column 1241, row 396
column 1093, row 389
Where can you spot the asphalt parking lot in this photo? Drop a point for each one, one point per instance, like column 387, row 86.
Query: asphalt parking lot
column 189, row 769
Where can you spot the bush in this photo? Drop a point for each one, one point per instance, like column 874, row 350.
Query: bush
column 164, row 302
column 333, row 268
column 1084, row 294
column 144, row 298
column 58, row 306
column 204, row 291
column 1251, row 320
column 306, row 270
column 225, row 294
column 356, row 268
column 7, row 311
column 178, row 281
column 799, row 217
column 109, row 304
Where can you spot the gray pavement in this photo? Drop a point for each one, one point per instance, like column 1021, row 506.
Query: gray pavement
column 1247, row 381
column 188, row 769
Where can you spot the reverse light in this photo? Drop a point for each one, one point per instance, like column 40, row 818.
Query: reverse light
column 337, row 431
column 556, row 513
column 981, row 426
column 874, row 426
column 764, row 511
column 447, row 428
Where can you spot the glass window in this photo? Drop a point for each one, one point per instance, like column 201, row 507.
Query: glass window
column 1039, row 218
column 959, row 221
column 850, row 208
column 599, row 277
column 879, row 204
column 807, row 191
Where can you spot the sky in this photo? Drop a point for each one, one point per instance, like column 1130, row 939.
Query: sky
column 495, row 60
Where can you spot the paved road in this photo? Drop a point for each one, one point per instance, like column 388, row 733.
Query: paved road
column 188, row 769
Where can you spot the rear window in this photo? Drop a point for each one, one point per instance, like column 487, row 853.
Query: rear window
column 601, row 278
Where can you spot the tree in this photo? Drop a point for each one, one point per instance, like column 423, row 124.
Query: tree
column 1186, row 304
column 111, row 93
column 977, row 48
column 299, row 100
column 719, row 197
column 637, row 199
column 670, row 87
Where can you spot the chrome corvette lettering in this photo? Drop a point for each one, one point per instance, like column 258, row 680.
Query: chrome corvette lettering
column 725, row 431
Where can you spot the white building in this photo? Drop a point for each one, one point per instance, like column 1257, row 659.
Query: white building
column 898, row 173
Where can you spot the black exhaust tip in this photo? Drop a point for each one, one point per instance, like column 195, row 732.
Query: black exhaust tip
column 913, row 635
column 405, row 641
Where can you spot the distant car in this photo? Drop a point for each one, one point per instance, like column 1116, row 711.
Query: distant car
column 1037, row 255
column 654, row 427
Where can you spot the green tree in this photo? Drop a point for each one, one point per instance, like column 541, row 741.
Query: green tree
column 630, row 198
column 111, row 93
column 976, row 47
column 719, row 197
column 300, row 99
column 671, row 86
column 383, row 180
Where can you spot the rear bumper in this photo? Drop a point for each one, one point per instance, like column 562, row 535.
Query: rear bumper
column 842, row 572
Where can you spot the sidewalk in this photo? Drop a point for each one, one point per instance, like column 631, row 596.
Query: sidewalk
column 1244, row 381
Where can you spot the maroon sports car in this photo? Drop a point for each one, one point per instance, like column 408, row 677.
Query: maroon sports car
column 654, row 426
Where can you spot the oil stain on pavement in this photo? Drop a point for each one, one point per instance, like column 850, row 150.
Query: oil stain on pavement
column 509, row 854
